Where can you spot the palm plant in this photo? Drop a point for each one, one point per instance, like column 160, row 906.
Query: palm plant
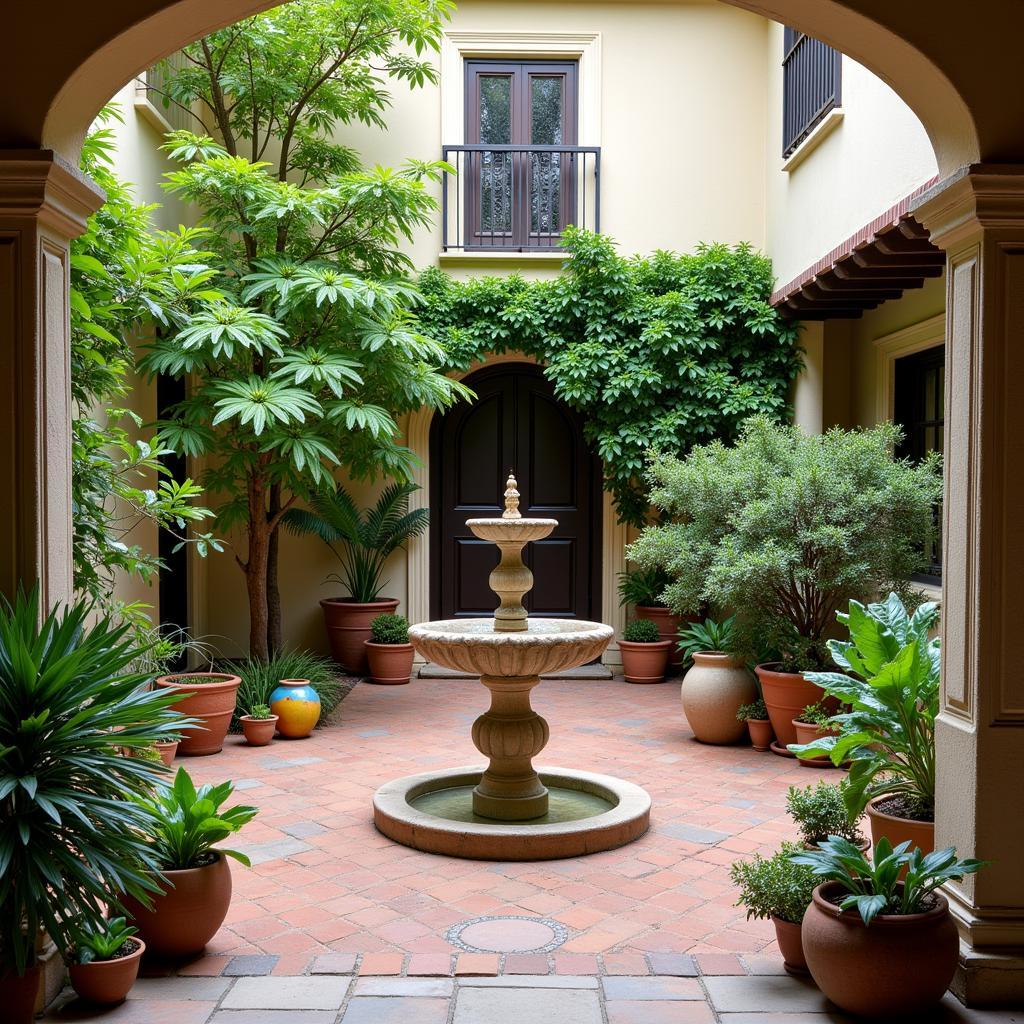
column 71, row 829
column 708, row 635
column 361, row 541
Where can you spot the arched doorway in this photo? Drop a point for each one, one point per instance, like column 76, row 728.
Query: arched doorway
column 516, row 422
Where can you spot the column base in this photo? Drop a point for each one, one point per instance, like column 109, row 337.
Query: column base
column 504, row 808
column 989, row 978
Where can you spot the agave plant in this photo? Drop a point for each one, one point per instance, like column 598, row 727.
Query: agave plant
column 361, row 541
column 71, row 829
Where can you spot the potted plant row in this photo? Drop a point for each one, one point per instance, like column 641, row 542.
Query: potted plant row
column 644, row 653
column 389, row 652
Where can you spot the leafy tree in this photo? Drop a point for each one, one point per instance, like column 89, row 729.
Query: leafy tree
column 304, row 365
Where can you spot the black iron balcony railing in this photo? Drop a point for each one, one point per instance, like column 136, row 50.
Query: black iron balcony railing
column 518, row 198
column 811, row 86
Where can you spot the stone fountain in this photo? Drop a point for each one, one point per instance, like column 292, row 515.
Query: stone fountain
column 509, row 810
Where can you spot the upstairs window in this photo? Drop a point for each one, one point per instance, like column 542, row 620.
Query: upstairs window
column 811, row 86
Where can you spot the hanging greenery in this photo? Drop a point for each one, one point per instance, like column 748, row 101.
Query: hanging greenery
column 661, row 352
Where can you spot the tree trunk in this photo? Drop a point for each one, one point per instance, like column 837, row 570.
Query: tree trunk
column 256, row 569
column 273, row 587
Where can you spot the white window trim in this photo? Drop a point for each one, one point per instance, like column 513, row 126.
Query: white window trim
column 890, row 347
column 824, row 128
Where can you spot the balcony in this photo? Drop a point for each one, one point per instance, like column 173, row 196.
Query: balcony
column 516, row 198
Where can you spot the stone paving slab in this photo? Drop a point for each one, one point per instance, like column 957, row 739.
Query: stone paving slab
column 296, row 993
column 766, row 994
column 374, row 1010
column 504, row 1005
column 274, row 1017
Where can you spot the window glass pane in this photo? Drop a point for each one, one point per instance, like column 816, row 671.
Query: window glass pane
column 495, row 192
column 929, row 394
column 496, row 109
column 546, row 110
column 545, row 168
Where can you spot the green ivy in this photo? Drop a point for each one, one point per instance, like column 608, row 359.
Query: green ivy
column 660, row 352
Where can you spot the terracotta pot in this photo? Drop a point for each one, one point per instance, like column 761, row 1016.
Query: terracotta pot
column 645, row 663
column 899, row 830
column 18, row 995
column 167, row 749
column 390, row 664
column 787, row 935
column 258, row 731
column 712, row 692
column 187, row 915
column 212, row 702
column 668, row 628
column 901, row 965
column 297, row 706
column 863, row 844
column 106, row 982
column 808, row 732
column 761, row 733
column 786, row 694
column 348, row 628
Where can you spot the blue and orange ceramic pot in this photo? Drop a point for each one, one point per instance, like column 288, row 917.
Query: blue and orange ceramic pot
column 297, row 706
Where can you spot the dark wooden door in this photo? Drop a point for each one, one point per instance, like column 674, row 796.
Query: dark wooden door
column 516, row 422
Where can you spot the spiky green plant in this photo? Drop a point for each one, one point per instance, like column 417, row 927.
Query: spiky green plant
column 259, row 678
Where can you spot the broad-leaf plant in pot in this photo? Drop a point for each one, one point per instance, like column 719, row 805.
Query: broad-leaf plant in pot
column 71, row 829
column 784, row 529
column 104, row 962
column 362, row 541
column 389, row 652
column 194, row 882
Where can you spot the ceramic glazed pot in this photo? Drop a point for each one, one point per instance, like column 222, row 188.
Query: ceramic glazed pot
column 106, row 982
column 902, row 964
column 258, row 731
column 645, row 663
column 808, row 732
column 348, row 628
column 187, row 915
column 786, row 694
column 668, row 628
column 899, row 830
column 761, row 733
column 211, row 701
column 18, row 995
column 297, row 706
column 712, row 692
column 390, row 664
column 787, row 935
column 167, row 750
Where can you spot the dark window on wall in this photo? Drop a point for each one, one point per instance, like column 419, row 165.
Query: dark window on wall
column 919, row 408
column 811, row 86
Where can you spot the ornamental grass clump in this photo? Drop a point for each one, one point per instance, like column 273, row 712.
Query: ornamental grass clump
column 784, row 529
column 260, row 679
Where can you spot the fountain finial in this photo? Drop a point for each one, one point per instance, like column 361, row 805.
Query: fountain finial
column 511, row 498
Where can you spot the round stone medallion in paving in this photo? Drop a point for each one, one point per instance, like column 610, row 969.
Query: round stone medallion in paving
column 507, row 934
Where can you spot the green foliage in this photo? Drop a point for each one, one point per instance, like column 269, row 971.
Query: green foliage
column 70, row 828
column 260, row 678
column 873, row 886
column 361, row 541
column 260, row 712
column 642, row 586
column 756, row 710
column 819, row 812
column 784, row 528
column 708, row 635
column 186, row 823
column 660, row 352
column 775, row 886
column 389, row 629
column 816, row 714
column 641, row 631
column 890, row 681
column 102, row 941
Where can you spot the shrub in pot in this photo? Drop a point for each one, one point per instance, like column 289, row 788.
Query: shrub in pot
column 388, row 650
column 362, row 543
column 104, row 962
column 717, row 684
column 209, row 698
column 258, row 726
column 776, row 888
column 193, row 888
column 642, row 588
column 890, row 683
column 644, row 653
column 819, row 812
column 813, row 723
column 70, row 829
column 755, row 715
column 785, row 528
column 875, row 945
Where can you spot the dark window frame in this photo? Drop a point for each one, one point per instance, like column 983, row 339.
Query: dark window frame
column 812, row 85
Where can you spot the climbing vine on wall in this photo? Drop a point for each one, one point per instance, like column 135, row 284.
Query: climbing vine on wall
column 658, row 352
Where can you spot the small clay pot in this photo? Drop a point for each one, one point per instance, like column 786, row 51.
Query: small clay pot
column 899, row 966
column 106, row 982
column 390, row 664
column 18, row 994
column 668, row 629
column 786, row 694
column 645, row 663
column 808, row 732
column 211, row 701
column 787, row 935
column 167, row 749
column 713, row 690
column 761, row 733
column 898, row 830
column 258, row 731
column 348, row 628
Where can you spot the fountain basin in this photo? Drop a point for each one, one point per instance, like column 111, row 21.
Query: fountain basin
column 511, row 531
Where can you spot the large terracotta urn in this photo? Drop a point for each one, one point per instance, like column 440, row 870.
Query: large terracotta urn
column 713, row 690
column 786, row 694
column 348, row 628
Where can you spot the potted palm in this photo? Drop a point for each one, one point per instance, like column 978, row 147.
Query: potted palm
column 890, row 682
column 388, row 650
column 759, row 725
column 362, row 543
column 875, row 945
column 642, row 588
column 192, row 882
column 70, row 829
column 258, row 726
column 777, row 889
column 105, row 961
column 819, row 812
column 644, row 653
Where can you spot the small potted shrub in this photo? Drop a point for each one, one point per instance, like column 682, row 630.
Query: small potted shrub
column 104, row 962
column 259, row 725
column 777, row 888
column 717, row 684
column 877, row 946
column 644, row 653
column 642, row 588
column 755, row 714
column 813, row 723
column 209, row 698
column 184, row 826
column 388, row 650
column 819, row 812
